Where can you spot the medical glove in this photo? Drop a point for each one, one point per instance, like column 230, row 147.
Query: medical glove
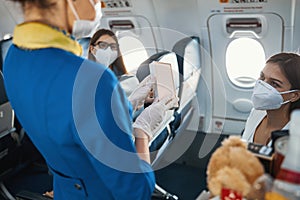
column 153, row 115
column 140, row 94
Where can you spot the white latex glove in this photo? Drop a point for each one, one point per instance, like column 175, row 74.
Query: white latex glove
column 153, row 115
column 140, row 94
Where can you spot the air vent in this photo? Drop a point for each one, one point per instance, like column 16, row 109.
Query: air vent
column 121, row 25
column 243, row 24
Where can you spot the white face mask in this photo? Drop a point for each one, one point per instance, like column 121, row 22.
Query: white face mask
column 266, row 97
column 106, row 56
column 86, row 28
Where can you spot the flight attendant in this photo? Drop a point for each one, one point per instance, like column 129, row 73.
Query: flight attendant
column 74, row 110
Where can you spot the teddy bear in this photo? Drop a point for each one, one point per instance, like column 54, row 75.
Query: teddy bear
column 233, row 167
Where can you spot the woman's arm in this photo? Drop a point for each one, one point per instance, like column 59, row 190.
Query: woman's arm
column 142, row 145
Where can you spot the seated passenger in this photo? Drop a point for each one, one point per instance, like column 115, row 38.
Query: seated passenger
column 104, row 49
column 275, row 95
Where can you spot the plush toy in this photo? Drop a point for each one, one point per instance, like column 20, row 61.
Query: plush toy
column 233, row 167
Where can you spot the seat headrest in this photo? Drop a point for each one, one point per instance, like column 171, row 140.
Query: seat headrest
column 4, row 46
column 143, row 69
column 188, row 53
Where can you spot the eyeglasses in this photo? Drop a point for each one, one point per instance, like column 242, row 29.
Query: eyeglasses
column 105, row 45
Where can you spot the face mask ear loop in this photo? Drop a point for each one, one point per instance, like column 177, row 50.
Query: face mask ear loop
column 73, row 9
column 286, row 92
column 285, row 102
column 95, row 50
column 94, row 5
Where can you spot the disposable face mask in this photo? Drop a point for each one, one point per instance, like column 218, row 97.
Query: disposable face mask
column 266, row 97
column 86, row 28
column 106, row 56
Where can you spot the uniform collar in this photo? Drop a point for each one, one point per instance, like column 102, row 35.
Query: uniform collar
column 35, row 35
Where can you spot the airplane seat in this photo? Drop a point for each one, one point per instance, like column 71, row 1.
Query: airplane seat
column 8, row 145
column 188, row 56
column 142, row 72
column 17, row 153
column 158, row 143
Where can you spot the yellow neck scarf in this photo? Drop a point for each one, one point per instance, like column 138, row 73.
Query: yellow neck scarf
column 34, row 35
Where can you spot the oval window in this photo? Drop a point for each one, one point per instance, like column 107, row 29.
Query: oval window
column 245, row 58
column 133, row 52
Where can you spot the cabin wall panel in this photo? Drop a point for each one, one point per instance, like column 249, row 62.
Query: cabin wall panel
column 296, row 38
column 10, row 16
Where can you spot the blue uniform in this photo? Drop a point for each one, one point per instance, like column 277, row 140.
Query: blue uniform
column 77, row 115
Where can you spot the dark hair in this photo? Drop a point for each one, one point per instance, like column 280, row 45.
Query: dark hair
column 44, row 4
column 289, row 64
column 118, row 65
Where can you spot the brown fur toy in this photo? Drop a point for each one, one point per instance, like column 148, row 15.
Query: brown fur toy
column 232, row 166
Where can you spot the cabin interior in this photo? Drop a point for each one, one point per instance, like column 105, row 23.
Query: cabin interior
column 208, row 44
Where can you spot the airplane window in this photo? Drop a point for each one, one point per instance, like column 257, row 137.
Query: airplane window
column 133, row 51
column 245, row 58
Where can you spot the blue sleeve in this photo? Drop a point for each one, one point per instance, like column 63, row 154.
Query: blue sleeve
column 104, row 128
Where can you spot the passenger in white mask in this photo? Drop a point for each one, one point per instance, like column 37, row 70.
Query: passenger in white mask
column 104, row 49
column 275, row 95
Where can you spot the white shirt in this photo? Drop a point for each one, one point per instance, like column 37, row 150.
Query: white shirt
column 128, row 83
column 254, row 119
